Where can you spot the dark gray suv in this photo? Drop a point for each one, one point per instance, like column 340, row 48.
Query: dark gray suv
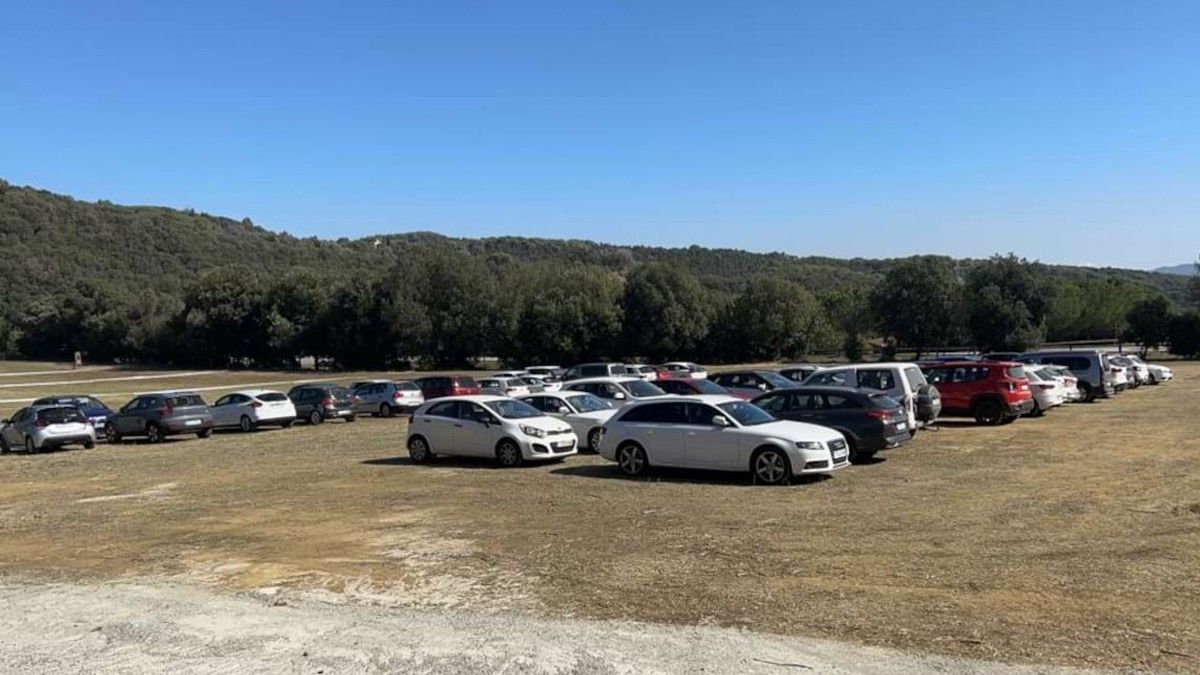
column 159, row 415
column 319, row 402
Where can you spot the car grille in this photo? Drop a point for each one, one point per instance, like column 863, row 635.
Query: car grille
column 562, row 432
column 839, row 444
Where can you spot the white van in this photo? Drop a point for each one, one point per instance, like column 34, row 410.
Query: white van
column 901, row 381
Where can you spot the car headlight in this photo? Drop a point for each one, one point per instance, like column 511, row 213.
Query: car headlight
column 533, row 431
column 810, row 445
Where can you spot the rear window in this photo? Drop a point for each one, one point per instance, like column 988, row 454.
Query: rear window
column 708, row 387
column 407, row 386
column 465, row 382
column 60, row 415
column 1017, row 373
column 339, row 392
column 641, row 388
column 883, row 401
column 186, row 400
column 271, row 397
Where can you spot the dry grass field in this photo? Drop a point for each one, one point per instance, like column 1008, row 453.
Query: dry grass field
column 1072, row 539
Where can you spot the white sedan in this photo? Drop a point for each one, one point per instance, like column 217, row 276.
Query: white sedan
column 686, row 369
column 583, row 411
column 1048, row 391
column 721, row 433
column 618, row 391
column 249, row 409
column 505, row 429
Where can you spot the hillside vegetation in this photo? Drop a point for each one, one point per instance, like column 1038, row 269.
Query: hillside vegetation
column 152, row 283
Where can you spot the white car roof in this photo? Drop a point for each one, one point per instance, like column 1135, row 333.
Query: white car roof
column 474, row 398
column 255, row 392
column 613, row 379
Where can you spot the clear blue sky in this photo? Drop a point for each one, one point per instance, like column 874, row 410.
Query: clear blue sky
column 1065, row 131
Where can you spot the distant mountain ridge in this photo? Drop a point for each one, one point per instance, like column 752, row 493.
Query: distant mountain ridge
column 1186, row 269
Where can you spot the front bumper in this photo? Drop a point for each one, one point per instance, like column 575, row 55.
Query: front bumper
column 550, row 447
column 809, row 462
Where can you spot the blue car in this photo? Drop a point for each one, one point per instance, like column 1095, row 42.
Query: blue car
column 98, row 415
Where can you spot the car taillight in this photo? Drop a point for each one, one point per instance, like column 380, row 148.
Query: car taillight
column 256, row 404
column 878, row 414
column 397, row 395
column 327, row 402
column 40, row 423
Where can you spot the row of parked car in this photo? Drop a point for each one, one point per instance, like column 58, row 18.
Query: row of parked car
column 776, row 424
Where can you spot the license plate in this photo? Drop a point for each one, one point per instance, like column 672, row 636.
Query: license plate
column 192, row 423
column 901, row 425
column 562, row 444
column 840, row 454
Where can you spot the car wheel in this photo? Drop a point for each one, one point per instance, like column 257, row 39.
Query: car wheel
column 418, row 450
column 30, row 448
column 508, row 454
column 770, row 467
column 4, row 449
column 110, row 433
column 204, row 433
column 1037, row 410
column 314, row 417
column 288, row 424
column 153, row 433
column 246, row 424
column 989, row 412
column 1086, row 393
column 593, row 440
column 352, row 418
column 385, row 410
column 631, row 459
column 88, row 445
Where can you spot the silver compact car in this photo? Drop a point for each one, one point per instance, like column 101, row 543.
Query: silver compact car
column 46, row 427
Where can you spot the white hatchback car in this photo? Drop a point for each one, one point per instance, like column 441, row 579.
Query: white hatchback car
column 1048, row 391
column 583, row 411
column 508, row 430
column 249, row 409
column 721, row 433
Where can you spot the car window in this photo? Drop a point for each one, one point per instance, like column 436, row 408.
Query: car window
column 746, row 414
column 656, row 412
column 641, row 388
column 776, row 380
column 224, row 400
column 593, row 371
column 271, row 397
column 937, row 375
column 699, row 414
column 444, row 409
column 19, row 416
column 882, row 380
column 407, row 386
column 837, row 402
column 588, row 403
column 839, row 378
column 472, row 411
column 64, row 415
column 915, row 378
column 187, row 400
column 513, row 409
column 883, row 401
column 772, row 402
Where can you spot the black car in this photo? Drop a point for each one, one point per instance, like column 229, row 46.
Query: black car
column 319, row 402
column 870, row 421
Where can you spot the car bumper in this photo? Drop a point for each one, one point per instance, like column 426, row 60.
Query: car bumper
column 534, row 449
column 337, row 413
column 173, row 428
column 46, row 441
column 808, row 462
column 276, row 418
column 1020, row 407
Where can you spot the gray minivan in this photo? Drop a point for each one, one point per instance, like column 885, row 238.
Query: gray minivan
column 1089, row 366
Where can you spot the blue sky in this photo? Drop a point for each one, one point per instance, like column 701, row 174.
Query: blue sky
column 1064, row 131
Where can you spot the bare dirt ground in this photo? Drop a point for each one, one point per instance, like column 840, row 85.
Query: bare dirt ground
column 1072, row 539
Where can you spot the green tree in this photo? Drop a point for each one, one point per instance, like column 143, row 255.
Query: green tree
column 1194, row 285
column 572, row 314
column 1150, row 322
column 223, row 316
column 850, row 310
column 915, row 302
column 1006, row 301
column 666, row 312
column 460, row 299
column 774, row 319
column 1185, row 335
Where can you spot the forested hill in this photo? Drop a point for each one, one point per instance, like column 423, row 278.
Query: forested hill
column 51, row 243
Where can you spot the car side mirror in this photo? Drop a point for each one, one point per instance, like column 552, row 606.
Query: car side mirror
column 620, row 396
column 720, row 421
column 763, row 386
column 564, row 410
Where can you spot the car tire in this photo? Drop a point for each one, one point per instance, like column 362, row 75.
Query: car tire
column 770, row 466
column 4, row 449
column 385, row 410
column 632, row 459
column 89, row 445
column 288, row 424
column 1037, row 410
column 418, row 450
column 315, row 418
column 204, row 433
column 352, row 418
column 988, row 412
column 110, row 433
column 508, row 454
column 1087, row 394
column 246, row 424
column 593, row 440
column 30, row 448
column 153, row 433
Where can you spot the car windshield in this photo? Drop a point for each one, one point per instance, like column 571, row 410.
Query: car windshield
column 271, row 396
column 746, row 414
column 709, row 387
column 60, row 415
column 588, row 403
column 513, row 410
column 776, row 380
column 642, row 389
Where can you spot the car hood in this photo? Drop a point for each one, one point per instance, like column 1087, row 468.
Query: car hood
column 549, row 424
column 793, row 431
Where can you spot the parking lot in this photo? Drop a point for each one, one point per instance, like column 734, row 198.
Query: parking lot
column 1072, row 539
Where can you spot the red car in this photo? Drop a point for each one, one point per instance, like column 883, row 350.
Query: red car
column 689, row 387
column 438, row 387
column 993, row 392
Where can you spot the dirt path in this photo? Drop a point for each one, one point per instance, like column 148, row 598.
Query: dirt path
column 145, row 628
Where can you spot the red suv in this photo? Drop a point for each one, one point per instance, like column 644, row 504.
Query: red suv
column 439, row 386
column 993, row 392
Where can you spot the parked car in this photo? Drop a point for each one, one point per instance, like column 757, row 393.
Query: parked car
column 870, row 421
column 586, row 413
column 250, row 409
column 159, row 415
column 1090, row 366
column 686, row 369
column 1067, row 378
column 549, row 372
column 798, row 372
column 438, row 386
column 384, row 398
column 618, row 390
column 46, row 427
column 992, row 392
column 317, row 402
column 1048, row 391
column 589, row 370
column 535, row 383
column 509, row 430
column 1138, row 373
column 1159, row 373
column 904, row 382
column 746, row 384
column 686, row 386
column 720, row 433
column 98, row 414
column 503, row 386
column 649, row 373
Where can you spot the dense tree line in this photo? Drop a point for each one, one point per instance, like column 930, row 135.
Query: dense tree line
column 159, row 285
